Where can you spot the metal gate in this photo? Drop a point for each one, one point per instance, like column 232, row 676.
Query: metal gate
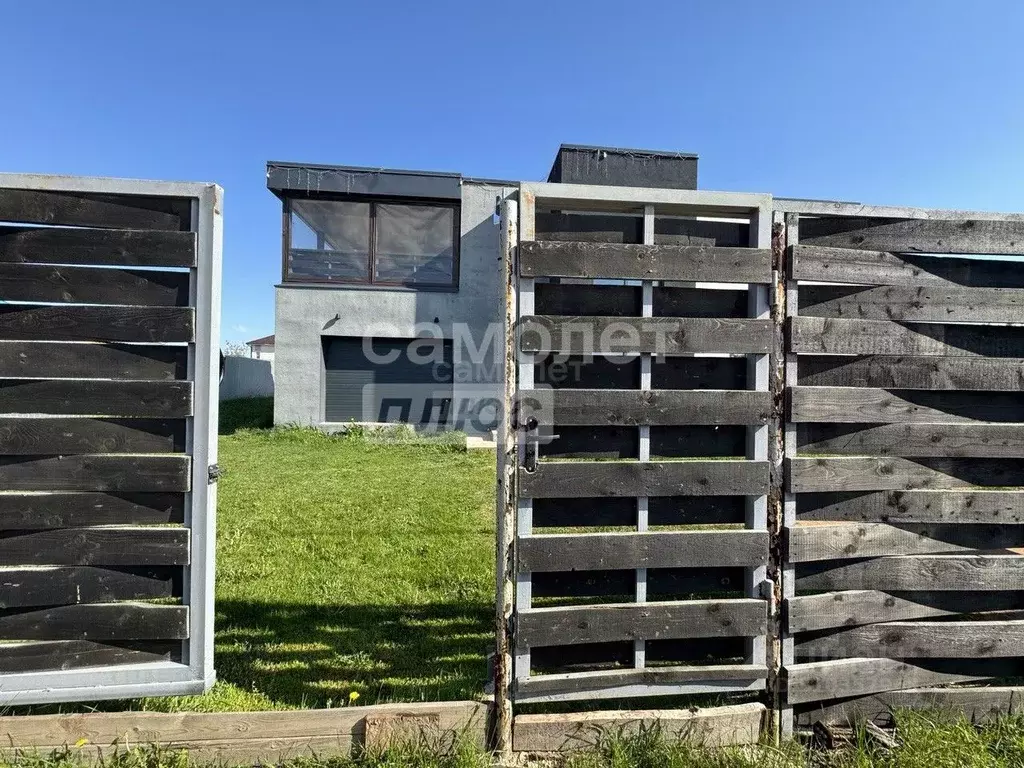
column 638, row 445
column 108, row 374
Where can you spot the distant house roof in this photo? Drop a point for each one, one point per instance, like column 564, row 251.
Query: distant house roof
column 262, row 341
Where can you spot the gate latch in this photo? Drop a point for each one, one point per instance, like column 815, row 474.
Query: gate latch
column 213, row 474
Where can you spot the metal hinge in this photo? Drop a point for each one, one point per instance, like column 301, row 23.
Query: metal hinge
column 213, row 473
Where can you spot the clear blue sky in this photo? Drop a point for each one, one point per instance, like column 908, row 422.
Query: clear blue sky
column 917, row 103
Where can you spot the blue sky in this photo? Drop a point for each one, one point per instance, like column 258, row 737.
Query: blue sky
column 916, row 103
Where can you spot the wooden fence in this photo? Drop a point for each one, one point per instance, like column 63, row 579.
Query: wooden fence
column 106, row 374
column 905, row 486
column 642, row 541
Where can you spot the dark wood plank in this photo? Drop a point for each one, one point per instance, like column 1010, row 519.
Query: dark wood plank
column 837, row 541
column 917, row 304
column 38, row 511
column 86, row 323
column 83, row 209
column 831, row 336
column 589, row 300
column 85, row 285
column 588, row 407
column 822, row 680
column 981, row 704
column 699, row 302
column 681, row 478
column 980, row 236
column 860, row 405
column 912, row 372
column 663, row 336
column 665, row 549
column 102, row 361
column 649, row 621
column 107, row 247
column 912, row 440
column 950, row 573
column 110, row 473
column 689, row 263
column 919, row 640
column 171, row 399
column 98, row 622
column 27, row 587
column 78, row 654
column 97, row 546
column 70, row 436
column 961, row 507
column 662, row 510
column 869, row 606
column 652, row 678
column 895, row 474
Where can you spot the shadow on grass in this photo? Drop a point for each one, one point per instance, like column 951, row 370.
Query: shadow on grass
column 246, row 413
column 316, row 655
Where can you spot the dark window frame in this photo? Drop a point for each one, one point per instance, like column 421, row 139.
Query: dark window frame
column 370, row 282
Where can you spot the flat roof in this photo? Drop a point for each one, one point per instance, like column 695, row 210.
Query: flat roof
column 295, row 179
column 625, row 151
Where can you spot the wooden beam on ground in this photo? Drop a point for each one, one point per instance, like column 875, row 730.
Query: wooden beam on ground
column 713, row 726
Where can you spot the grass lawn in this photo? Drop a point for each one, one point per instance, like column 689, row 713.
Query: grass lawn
column 345, row 565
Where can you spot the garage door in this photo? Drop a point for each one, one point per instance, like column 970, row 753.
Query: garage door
column 396, row 382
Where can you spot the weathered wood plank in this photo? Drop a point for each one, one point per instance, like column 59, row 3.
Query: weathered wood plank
column 645, row 262
column 38, row 511
column 868, row 606
column 656, row 478
column 961, row 507
column 837, row 541
column 980, row 236
column 919, row 640
column 910, row 372
column 109, row 473
column 32, row 206
column 19, row 436
column 860, row 405
column 822, row 680
column 49, row 655
column 978, row 705
column 88, row 323
column 662, row 510
column 121, row 248
column 588, row 300
column 913, row 440
column 98, row 622
column 711, row 726
column 171, row 399
column 950, row 573
column 586, row 407
column 840, row 336
column 26, row 587
column 85, row 285
column 663, row 336
column 647, row 621
column 97, row 546
column 917, row 304
column 664, row 549
column 102, row 361
column 720, row 678
column 894, row 474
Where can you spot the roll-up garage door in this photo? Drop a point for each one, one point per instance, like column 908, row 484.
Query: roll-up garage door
column 391, row 380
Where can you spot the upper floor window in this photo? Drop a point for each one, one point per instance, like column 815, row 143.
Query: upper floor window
column 380, row 243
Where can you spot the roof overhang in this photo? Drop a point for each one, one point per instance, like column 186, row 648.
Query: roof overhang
column 301, row 180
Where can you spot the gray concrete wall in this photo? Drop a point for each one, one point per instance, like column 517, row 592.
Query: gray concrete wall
column 305, row 313
column 246, row 377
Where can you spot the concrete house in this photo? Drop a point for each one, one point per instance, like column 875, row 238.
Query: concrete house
column 391, row 297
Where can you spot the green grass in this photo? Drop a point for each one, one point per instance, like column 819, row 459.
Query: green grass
column 345, row 564
column 246, row 413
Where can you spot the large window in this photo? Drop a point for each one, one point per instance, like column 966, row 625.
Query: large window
column 380, row 243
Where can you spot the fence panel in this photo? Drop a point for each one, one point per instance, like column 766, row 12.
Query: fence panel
column 643, row 420
column 904, row 486
column 108, row 363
